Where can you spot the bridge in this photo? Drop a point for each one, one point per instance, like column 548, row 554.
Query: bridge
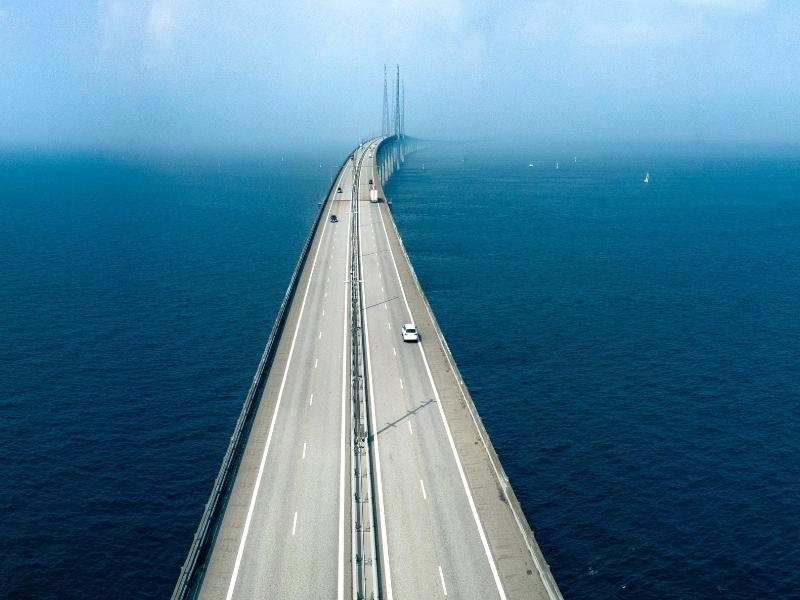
column 359, row 467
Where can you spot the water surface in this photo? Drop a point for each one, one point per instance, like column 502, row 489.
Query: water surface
column 632, row 350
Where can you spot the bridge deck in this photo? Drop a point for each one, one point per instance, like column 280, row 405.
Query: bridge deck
column 448, row 523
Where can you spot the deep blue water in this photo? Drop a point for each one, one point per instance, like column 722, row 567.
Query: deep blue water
column 136, row 300
column 633, row 349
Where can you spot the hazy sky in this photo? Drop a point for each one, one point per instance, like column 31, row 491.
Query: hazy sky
column 188, row 74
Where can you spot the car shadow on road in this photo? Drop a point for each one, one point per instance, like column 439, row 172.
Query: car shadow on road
column 409, row 413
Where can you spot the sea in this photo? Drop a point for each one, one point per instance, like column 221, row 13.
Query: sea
column 632, row 348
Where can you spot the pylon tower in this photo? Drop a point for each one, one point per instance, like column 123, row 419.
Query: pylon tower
column 385, row 122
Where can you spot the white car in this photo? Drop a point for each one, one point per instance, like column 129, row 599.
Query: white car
column 410, row 333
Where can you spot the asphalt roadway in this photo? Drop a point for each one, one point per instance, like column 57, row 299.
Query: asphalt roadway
column 448, row 523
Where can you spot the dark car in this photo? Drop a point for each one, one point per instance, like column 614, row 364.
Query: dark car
column 334, row 219
column 338, row 190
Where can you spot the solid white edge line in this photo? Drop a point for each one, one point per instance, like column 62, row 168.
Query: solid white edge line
column 257, row 486
column 470, row 500
column 379, row 484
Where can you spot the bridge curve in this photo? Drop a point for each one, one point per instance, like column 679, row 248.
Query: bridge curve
column 359, row 463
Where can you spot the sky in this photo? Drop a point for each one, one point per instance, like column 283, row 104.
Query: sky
column 194, row 75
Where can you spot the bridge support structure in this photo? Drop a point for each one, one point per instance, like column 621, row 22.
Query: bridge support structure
column 392, row 154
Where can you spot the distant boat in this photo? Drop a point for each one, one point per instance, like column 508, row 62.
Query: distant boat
column 556, row 165
column 530, row 164
column 647, row 177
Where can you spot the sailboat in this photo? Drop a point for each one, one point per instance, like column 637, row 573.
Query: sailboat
column 647, row 177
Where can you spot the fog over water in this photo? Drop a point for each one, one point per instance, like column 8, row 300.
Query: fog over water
column 192, row 76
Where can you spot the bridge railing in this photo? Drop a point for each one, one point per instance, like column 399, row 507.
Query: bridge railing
column 196, row 562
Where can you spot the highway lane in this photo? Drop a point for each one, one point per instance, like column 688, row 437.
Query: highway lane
column 296, row 530
column 286, row 531
column 430, row 532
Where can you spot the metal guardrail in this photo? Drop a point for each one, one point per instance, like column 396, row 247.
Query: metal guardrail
column 367, row 578
column 195, row 565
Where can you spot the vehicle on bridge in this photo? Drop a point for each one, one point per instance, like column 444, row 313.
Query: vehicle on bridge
column 338, row 190
column 334, row 219
column 410, row 333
